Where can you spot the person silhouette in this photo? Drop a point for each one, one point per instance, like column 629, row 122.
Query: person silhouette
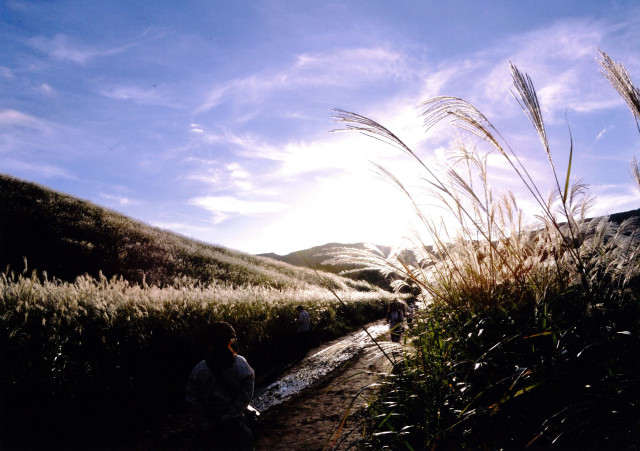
column 218, row 391
column 304, row 328
column 396, row 314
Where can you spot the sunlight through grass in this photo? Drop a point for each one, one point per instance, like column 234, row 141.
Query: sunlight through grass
column 531, row 335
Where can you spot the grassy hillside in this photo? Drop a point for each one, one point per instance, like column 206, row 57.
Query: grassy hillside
column 41, row 225
column 101, row 347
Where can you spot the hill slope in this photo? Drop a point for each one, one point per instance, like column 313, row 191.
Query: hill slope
column 314, row 256
column 68, row 237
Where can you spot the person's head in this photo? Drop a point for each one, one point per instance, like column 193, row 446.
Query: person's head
column 221, row 337
column 299, row 308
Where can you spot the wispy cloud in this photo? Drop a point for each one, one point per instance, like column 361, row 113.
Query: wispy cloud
column 559, row 58
column 35, row 170
column 225, row 206
column 15, row 118
column 603, row 132
column 344, row 67
column 46, row 89
column 615, row 198
column 561, row 62
column 223, row 177
column 121, row 200
column 237, row 172
column 187, row 228
column 196, row 128
column 149, row 95
column 5, row 72
column 63, row 47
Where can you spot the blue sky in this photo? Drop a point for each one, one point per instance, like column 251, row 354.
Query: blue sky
column 213, row 119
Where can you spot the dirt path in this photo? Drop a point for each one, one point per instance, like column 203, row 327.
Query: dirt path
column 311, row 420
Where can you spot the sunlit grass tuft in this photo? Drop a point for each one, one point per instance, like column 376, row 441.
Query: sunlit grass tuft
column 531, row 335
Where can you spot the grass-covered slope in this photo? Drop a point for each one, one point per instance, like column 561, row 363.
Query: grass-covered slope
column 101, row 346
column 68, row 237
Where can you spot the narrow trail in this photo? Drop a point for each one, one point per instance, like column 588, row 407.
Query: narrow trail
column 311, row 419
column 305, row 407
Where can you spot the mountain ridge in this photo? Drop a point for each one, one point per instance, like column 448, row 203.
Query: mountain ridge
column 314, row 257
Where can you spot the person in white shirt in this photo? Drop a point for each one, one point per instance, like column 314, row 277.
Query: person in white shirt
column 219, row 390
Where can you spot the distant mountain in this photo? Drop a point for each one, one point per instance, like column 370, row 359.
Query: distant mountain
column 619, row 217
column 68, row 237
column 314, row 256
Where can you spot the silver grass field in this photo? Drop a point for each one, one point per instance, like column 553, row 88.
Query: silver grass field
column 529, row 337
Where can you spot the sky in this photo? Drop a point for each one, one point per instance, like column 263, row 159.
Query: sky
column 215, row 119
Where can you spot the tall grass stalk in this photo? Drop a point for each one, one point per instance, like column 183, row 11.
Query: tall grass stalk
column 531, row 331
column 622, row 83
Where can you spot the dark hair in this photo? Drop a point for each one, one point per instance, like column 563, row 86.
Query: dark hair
column 219, row 336
column 299, row 308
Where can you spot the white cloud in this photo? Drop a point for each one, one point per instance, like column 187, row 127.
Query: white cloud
column 15, row 118
column 5, row 72
column 344, row 67
column 136, row 94
column 195, row 128
column 559, row 58
column 434, row 82
column 61, row 47
column 230, row 204
column 221, row 177
column 603, row 132
column 348, row 67
column 337, row 151
column 185, row 228
column 119, row 199
column 207, row 172
column 46, row 89
column 615, row 198
column 236, row 171
column 560, row 61
column 33, row 170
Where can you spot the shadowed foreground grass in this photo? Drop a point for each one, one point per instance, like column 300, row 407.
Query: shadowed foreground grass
column 94, row 360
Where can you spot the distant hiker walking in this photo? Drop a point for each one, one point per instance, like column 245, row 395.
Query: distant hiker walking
column 396, row 314
column 304, row 327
